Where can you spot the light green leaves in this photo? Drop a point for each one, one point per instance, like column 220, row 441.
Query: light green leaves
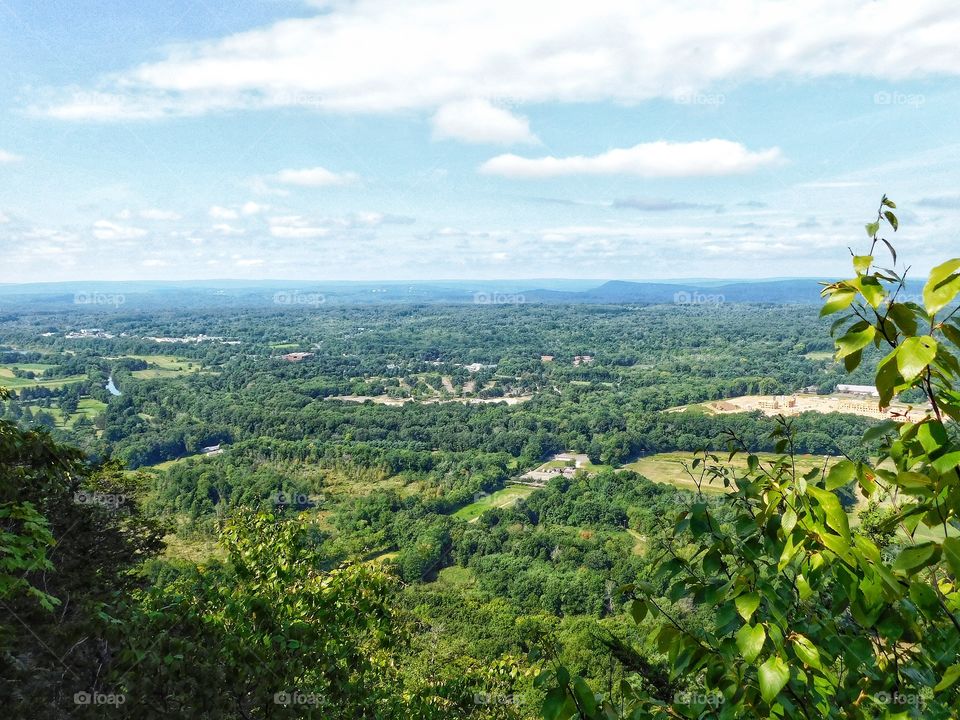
column 861, row 263
column 942, row 286
column 949, row 678
column 747, row 604
column 839, row 300
column 750, row 641
column 806, row 651
column 835, row 515
column 872, row 228
column 773, row 675
column 840, row 474
column 914, row 557
column 914, row 355
column 855, row 339
column 951, row 552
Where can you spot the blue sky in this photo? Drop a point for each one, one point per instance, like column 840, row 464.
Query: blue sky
column 374, row 140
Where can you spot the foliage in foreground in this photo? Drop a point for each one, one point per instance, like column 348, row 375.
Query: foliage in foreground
column 813, row 618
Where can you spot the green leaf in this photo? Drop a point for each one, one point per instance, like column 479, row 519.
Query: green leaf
column 806, row 651
column 914, row 355
column 853, row 341
column 773, row 676
column 861, row 263
column 951, row 553
column 904, row 318
column 839, row 300
column 747, row 604
column 840, row 474
column 836, row 517
column 878, row 431
column 949, row 678
column 585, row 695
column 892, row 219
column 913, row 557
column 638, row 610
column 942, row 286
column 872, row 228
column 889, row 203
column 750, row 641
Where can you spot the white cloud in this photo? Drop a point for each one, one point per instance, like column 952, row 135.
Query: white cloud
column 656, row 159
column 252, row 208
column 291, row 231
column 227, row 229
column 8, row 157
column 478, row 121
column 295, row 227
column 221, row 213
column 315, row 177
column 106, row 230
column 430, row 54
column 157, row 214
column 4, row 218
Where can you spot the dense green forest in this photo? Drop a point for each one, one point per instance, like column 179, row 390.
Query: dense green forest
column 329, row 511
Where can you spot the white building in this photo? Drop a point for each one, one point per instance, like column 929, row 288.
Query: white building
column 868, row 390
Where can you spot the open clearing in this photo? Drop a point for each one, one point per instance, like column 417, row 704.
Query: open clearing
column 8, row 380
column 500, row 499
column 668, row 467
column 162, row 366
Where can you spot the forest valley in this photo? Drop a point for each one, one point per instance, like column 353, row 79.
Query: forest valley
column 325, row 510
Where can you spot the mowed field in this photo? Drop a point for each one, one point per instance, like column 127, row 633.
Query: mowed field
column 669, row 467
column 162, row 366
column 500, row 499
column 8, row 380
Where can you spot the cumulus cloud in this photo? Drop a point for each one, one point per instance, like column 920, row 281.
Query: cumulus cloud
column 252, row 208
column 295, row 227
column 227, row 229
column 157, row 214
column 8, row 157
column 107, row 230
column 431, row 54
column 655, row 159
column 479, row 121
column 315, row 177
column 221, row 213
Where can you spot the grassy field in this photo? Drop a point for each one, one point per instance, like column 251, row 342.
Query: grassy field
column 7, row 379
column 668, row 467
column 456, row 576
column 501, row 498
column 162, row 366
